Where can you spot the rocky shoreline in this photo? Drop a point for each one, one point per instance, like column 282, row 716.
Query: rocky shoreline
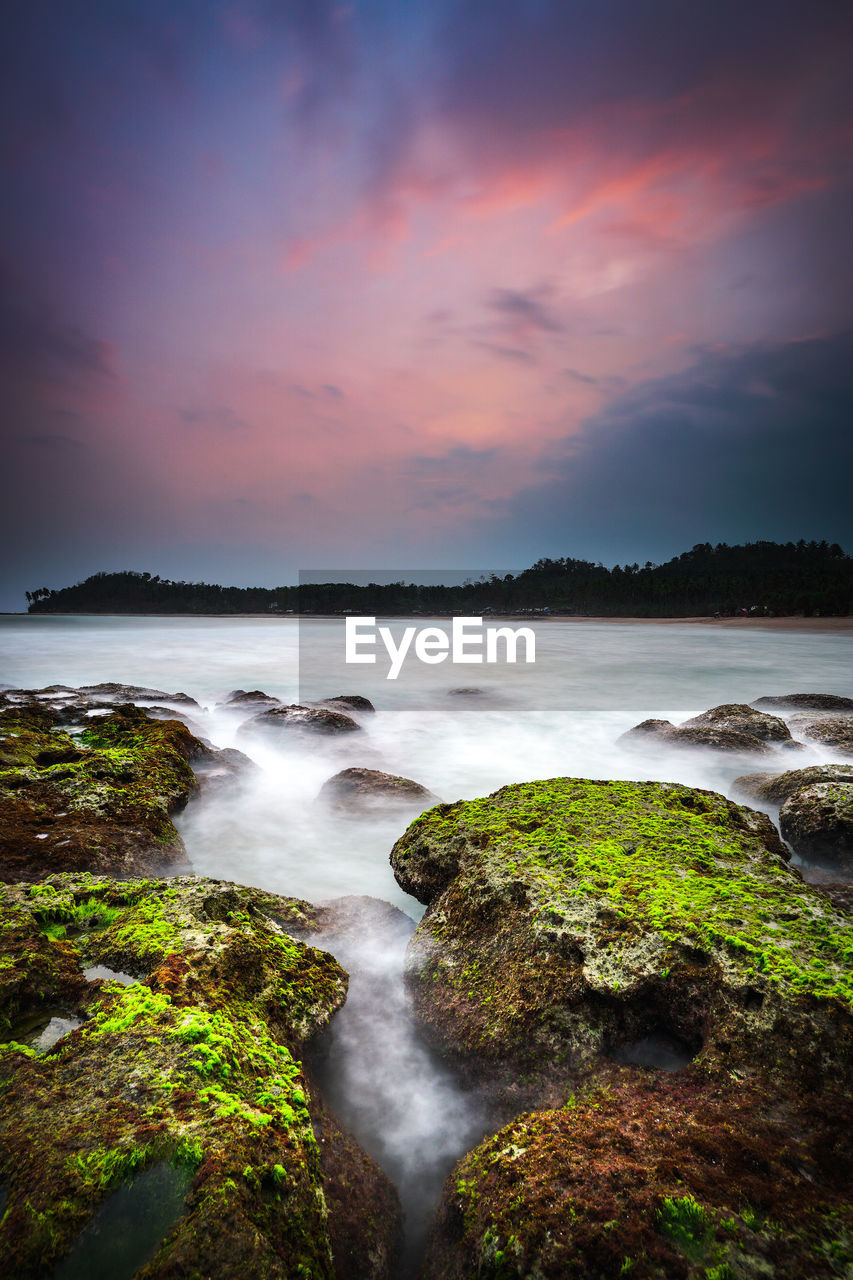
column 655, row 1000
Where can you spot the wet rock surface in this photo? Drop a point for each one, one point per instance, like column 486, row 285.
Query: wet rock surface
column 740, row 718
column 818, row 823
column 197, row 1065
column 698, row 734
column 816, row 813
column 350, row 702
column 568, row 917
column 804, row 701
column 254, row 700
column 299, row 718
column 834, row 731
column 775, row 788
column 652, row 1175
column 98, row 793
column 102, row 801
column 677, row 1000
column 364, row 790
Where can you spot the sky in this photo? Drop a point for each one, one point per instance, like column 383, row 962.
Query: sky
column 289, row 283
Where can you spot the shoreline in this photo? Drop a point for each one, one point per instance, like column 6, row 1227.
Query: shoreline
column 828, row 625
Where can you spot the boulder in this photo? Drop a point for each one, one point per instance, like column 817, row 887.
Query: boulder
column 349, row 701
column 221, row 769
column 101, row 802
column 254, row 700
column 806, row 701
column 835, row 731
column 775, row 788
column 191, row 1077
column 651, row 1176
column 739, row 718
column 708, row 737
column 569, row 918
column 300, row 719
column 363, row 790
column 131, row 693
column 817, row 821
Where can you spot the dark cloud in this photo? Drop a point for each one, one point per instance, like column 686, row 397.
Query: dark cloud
column 54, row 443
column 525, row 308
column 744, row 444
column 217, row 418
column 574, row 375
column 333, row 391
column 36, row 345
column 516, row 354
column 514, row 72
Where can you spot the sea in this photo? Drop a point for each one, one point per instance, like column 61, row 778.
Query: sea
column 462, row 730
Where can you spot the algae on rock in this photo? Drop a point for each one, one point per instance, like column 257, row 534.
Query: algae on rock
column 197, row 1063
column 100, row 802
column 569, row 917
column 649, row 1176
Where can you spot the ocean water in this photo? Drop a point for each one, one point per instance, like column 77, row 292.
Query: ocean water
column 561, row 715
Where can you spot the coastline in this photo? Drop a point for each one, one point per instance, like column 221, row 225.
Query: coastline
column 830, row 625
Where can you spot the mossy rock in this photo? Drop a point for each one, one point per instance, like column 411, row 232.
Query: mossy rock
column 100, row 802
column 652, row 1178
column 198, row 1063
column 570, row 917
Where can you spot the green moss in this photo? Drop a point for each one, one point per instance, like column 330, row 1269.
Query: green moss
column 688, row 1225
column 682, row 862
column 101, row 801
column 195, row 1063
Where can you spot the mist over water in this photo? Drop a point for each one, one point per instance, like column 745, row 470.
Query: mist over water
column 562, row 716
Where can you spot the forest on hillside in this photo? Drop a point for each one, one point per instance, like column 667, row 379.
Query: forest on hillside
column 758, row 578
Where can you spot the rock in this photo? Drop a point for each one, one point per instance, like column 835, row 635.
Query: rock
column 254, row 700
column 300, row 719
column 695, row 736
column 834, row 731
column 133, row 693
column 570, row 917
column 368, row 789
column 807, row 701
column 648, row 1176
column 740, row 718
column 839, row 892
column 817, row 821
column 775, row 788
column 100, row 803
column 347, row 921
column 351, row 701
column 649, row 729
column 222, row 768
column 195, row 1066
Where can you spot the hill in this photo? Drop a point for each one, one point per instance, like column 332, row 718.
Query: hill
column 764, row 578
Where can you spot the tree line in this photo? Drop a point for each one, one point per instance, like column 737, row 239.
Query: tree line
column 757, row 578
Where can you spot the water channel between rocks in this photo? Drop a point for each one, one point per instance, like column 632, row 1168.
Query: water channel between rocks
column 408, row 1110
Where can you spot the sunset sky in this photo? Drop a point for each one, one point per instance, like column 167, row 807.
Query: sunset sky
column 455, row 282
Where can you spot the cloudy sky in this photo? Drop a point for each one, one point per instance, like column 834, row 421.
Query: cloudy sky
column 289, row 283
